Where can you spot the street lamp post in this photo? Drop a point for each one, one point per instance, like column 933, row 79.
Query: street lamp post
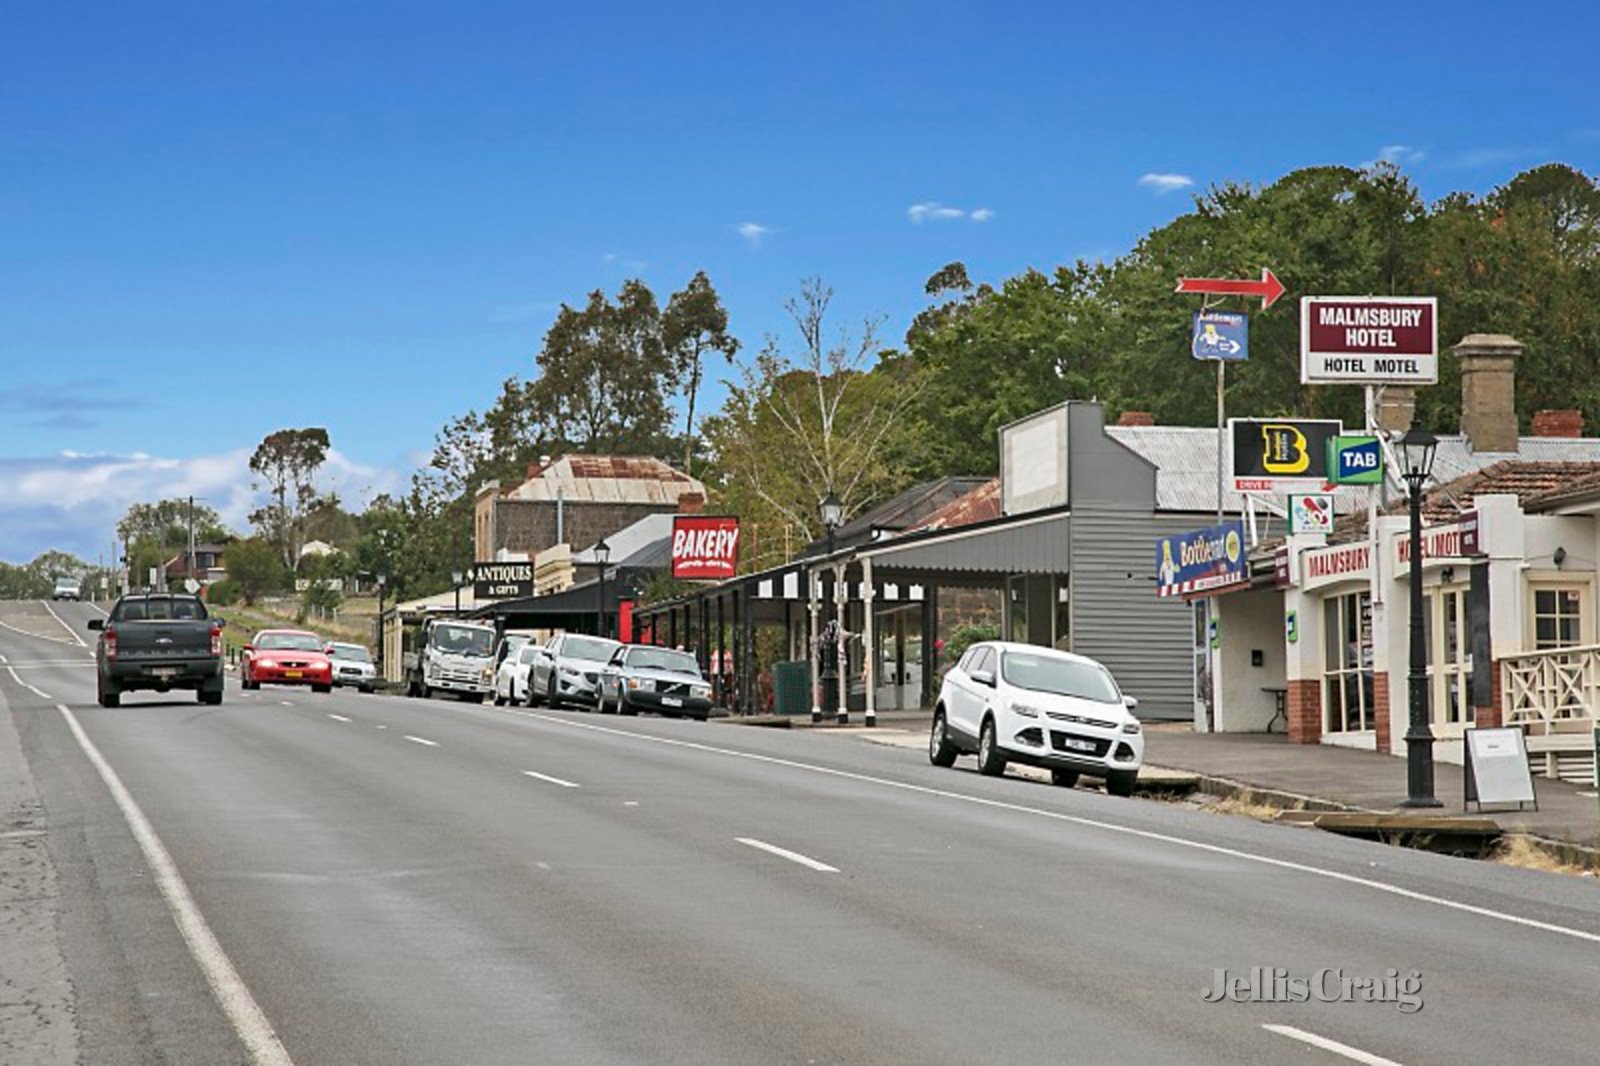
column 1417, row 450
column 381, row 580
column 455, row 581
column 602, row 555
column 828, row 639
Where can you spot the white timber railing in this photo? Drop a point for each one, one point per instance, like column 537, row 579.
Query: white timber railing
column 1555, row 694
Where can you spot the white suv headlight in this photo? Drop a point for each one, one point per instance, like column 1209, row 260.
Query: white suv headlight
column 1024, row 710
column 1131, row 726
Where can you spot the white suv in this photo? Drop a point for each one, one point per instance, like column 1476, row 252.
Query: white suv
column 1009, row 702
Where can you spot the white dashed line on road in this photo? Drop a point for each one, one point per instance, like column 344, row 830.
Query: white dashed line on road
column 422, row 740
column 552, row 780
column 785, row 853
column 338, row 718
column 1353, row 1054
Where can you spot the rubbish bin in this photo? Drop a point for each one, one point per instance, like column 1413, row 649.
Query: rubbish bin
column 791, row 687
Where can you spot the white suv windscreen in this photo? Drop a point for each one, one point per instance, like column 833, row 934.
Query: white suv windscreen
column 1064, row 677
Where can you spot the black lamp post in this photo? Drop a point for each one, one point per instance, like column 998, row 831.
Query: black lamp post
column 381, row 581
column 455, row 581
column 602, row 555
column 1416, row 452
column 828, row 640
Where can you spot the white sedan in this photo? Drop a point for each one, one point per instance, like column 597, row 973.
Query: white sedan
column 511, row 677
column 1008, row 702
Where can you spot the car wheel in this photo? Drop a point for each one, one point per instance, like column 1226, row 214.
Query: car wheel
column 212, row 699
column 248, row 684
column 109, row 698
column 624, row 707
column 321, row 688
column 427, row 692
column 366, row 689
column 478, row 697
column 940, row 751
column 499, row 700
column 1064, row 778
column 1121, row 782
column 990, row 762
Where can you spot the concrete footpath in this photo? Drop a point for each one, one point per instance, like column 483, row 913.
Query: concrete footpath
column 1360, row 780
column 1316, row 776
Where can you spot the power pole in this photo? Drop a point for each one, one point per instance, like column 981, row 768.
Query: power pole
column 191, row 540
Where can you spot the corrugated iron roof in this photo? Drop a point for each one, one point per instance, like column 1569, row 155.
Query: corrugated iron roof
column 979, row 505
column 632, row 479
column 1185, row 458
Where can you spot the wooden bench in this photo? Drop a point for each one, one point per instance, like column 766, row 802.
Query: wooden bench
column 1564, row 754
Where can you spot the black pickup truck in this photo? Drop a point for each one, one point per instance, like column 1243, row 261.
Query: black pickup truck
column 160, row 641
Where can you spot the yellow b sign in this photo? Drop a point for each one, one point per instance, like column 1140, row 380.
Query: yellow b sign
column 1283, row 450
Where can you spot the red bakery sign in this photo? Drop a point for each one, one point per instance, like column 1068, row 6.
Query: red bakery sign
column 1369, row 339
column 704, row 547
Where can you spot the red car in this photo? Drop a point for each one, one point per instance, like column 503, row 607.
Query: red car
column 287, row 657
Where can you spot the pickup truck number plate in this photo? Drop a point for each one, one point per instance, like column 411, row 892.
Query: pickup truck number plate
column 164, row 671
column 671, row 701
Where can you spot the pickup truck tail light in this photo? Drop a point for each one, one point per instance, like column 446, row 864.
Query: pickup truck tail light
column 110, row 636
column 216, row 640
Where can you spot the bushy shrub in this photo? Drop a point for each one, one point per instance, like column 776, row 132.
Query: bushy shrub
column 223, row 593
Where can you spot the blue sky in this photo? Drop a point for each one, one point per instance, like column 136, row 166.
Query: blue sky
column 220, row 219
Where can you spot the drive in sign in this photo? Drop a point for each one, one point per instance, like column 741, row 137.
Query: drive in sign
column 1369, row 340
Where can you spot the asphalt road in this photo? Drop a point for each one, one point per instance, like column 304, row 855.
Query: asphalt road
column 398, row 881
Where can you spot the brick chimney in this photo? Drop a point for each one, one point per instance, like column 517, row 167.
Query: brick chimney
column 1567, row 423
column 1488, row 391
column 691, row 503
column 1136, row 418
column 1397, row 408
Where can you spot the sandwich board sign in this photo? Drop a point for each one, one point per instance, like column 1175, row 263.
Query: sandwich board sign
column 1495, row 768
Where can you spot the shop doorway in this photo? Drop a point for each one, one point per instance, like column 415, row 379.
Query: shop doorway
column 898, row 636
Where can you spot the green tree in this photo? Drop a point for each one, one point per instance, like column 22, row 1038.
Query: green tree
column 257, row 568
column 285, row 464
column 694, row 324
column 799, row 425
column 604, row 378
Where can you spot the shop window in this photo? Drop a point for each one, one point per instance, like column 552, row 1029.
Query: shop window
column 1347, row 663
column 1017, row 612
column 1558, row 617
column 1062, row 633
column 1448, row 640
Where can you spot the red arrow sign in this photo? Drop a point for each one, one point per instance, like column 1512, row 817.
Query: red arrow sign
column 1269, row 288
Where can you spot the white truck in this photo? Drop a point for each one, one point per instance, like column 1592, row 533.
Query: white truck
column 452, row 656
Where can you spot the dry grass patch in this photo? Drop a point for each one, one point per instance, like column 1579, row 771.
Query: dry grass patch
column 1519, row 849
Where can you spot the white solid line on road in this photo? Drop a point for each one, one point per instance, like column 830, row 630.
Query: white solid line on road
column 41, row 663
column 1093, row 823
column 552, row 780
column 792, row 856
column 35, row 636
column 338, row 717
column 73, row 633
column 41, row 693
column 254, row 1030
column 286, row 703
column 422, row 740
column 1353, row 1054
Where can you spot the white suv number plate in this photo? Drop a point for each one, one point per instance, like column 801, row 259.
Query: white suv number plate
column 1077, row 745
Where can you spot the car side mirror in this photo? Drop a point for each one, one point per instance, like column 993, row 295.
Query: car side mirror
column 97, row 623
column 983, row 677
column 1130, row 702
column 249, row 647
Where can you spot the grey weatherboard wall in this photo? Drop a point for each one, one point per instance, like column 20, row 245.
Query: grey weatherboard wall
column 1146, row 642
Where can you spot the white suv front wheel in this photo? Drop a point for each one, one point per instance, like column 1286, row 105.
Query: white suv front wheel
column 991, row 763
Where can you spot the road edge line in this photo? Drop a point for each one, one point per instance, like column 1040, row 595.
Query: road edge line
column 1354, row 1054
column 227, row 987
column 73, row 633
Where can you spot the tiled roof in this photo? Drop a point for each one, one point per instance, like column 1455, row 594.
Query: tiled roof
column 1582, row 487
column 979, row 505
column 1525, row 480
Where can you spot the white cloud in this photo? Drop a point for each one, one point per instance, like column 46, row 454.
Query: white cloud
column 73, row 500
column 1398, row 154
column 1165, row 183
column 934, row 211
column 754, row 233
column 1488, row 157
